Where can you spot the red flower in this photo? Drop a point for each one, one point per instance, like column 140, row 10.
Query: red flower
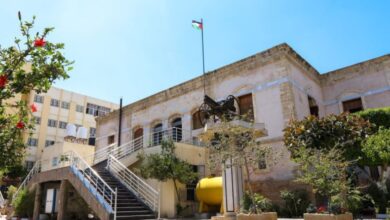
column 39, row 42
column 321, row 209
column 33, row 108
column 20, row 125
column 3, row 81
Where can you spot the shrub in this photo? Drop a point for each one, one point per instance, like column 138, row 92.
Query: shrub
column 24, row 203
column 295, row 202
column 261, row 204
column 380, row 117
column 10, row 192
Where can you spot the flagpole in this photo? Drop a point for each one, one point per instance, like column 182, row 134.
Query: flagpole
column 204, row 71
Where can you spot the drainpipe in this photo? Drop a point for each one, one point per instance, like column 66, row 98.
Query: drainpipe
column 120, row 123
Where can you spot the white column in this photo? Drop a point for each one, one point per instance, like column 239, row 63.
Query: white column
column 146, row 136
column 232, row 182
column 186, row 126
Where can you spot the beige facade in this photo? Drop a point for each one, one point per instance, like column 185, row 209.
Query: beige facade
column 280, row 83
column 52, row 157
column 56, row 109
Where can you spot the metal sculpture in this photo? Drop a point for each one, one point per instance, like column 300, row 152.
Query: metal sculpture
column 212, row 110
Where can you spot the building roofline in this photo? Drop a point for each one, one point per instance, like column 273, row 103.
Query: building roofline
column 358, row 65
column 88, row 96
column 280, row 50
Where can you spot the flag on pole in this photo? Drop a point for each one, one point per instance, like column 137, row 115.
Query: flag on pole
column 197, row 25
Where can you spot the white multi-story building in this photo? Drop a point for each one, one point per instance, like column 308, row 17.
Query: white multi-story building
column 56, row 109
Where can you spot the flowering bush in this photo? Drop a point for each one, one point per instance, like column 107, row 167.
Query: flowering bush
column 30, row 64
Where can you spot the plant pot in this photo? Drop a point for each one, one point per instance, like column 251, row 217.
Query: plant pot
column 262, row 216
column 315, row 216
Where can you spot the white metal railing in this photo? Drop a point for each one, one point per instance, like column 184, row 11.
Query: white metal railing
column 155, row 139
column 2, row 201
column 128, row 148
column 91, row 180
column 134, row 183
column 35, row 169
column 102, row 154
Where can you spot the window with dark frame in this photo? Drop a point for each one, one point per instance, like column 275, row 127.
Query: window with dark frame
column 55, row 102
column 37, row 120
column 96, row 110
column 38, row 99
column 262, row 165
column 92, row 132
column 190, row 187
column 137, row 137
column 157, row 134
column 196, row 124
column 245, row 103
column 32, row 142
column 111, row 139
column 49, row 143
column 79, row 108
column 62, row 125
column 52, row 123
column 65, row 105
column 313, row 107
column 353, row 105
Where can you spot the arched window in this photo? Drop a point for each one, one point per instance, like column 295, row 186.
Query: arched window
column 157, row 134
column 177, row 130
column 137, row 137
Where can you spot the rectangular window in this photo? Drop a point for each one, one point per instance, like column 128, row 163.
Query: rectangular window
column 38, row 99
column 92, row 132
column 79, row 108
column 111, row 139
column 96, row 110
column 353, row 105
column 62, row 124
column 54, row 162
column 65, row 105
column 313, row 108
column 32, row 142
column 54, row 102
column 37, row 120
column 245, row 104
column 52, row 123
column 49, row 143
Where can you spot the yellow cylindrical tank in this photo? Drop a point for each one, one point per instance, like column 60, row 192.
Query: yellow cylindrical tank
column 209, row 193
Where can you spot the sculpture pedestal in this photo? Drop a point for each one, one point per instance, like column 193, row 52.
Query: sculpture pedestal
column 232, row 182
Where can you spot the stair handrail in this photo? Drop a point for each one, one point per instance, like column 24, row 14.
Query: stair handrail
column 138, row 186
column 35, row 169
column 79, row 164
column 127, row 148
column 101, row 154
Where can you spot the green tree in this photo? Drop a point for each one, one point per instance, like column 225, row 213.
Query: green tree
column 343, row 132
column 167, row 166
column 230, row 141
column 327, row 172
column 32, row 63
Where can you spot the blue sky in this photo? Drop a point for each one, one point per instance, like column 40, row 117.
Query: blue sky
column 136, row 48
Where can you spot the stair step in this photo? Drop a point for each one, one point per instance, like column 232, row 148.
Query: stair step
column 136, row 217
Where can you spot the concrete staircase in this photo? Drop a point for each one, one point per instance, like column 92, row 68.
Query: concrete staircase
column 128, row 205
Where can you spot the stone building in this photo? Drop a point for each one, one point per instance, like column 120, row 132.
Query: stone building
column 277, row 85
